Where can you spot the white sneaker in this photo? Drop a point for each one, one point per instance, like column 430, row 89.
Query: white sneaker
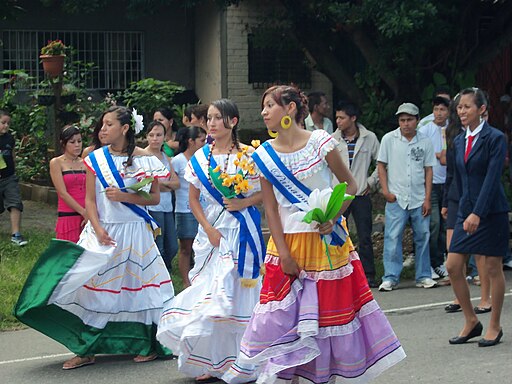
column 441, row 271
column 434, row 274
column 426, row 283
column 507, row 265
column 387, row 286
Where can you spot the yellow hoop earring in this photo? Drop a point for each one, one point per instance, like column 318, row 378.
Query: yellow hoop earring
column 286, row 122
column 273, row 134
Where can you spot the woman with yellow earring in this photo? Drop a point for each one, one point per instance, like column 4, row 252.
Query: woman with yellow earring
column 297, row 330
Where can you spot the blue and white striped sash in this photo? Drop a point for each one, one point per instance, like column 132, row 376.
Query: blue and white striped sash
column 252, row 245
column 103, row 164
column 289, row 186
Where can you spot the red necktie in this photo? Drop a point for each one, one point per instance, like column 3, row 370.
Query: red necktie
column 468, row 148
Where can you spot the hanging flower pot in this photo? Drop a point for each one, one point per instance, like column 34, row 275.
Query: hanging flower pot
column 53, row 65
column 45, row 100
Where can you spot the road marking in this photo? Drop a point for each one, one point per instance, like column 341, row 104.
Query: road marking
column 35, row 358
column 425, row 306
column 392, row 310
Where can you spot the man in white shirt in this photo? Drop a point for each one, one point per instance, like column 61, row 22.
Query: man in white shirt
column 435, row 131
column 405, row 164
column 319, row 110
column 359, row 148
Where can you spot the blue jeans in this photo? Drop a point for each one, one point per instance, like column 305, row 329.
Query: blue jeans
column 396, row 219
column 167, row 241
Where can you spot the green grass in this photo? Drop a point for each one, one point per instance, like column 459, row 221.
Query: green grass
column 15, row 265
column 17, row 262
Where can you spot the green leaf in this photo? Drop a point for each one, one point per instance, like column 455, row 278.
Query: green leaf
column 144, row 194
column 135, row 187
column 315, row 214
column 319, row 215
column 335, row 201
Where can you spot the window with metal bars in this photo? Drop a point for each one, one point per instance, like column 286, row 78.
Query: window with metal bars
column 118, row 56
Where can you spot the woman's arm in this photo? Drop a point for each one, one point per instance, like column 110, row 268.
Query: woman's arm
column 92, row 210
column 214, row 234
column 343, row 174
column 288, row 264
column 60, row 186
column 236, row 204
column 115, row 194
column 172, row 183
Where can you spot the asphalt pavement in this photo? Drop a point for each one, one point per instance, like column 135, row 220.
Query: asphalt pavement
column 416, row 314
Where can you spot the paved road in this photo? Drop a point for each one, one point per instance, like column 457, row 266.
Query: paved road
column 416, row 314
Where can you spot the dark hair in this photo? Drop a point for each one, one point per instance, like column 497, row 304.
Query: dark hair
column 96, row 133
column 168, row 114
column 314, row 99
column 228, row 111
column 349, row 108
column 439, row 100
column 454, row 124
column 153, row 124
column 200, row 111
column 4, row 113
column 124, row 116
column 187, row 112
column 479, row 95
column 284, row 95
column 67, row 133
column 441, row 90
column 187, row 133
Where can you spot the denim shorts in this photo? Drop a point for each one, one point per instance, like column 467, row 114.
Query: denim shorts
column 186, row 225
column 10, row 196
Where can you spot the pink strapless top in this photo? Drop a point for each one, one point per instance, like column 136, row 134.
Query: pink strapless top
column 75, row 185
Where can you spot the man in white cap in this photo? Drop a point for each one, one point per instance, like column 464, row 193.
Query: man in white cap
column 404, row 165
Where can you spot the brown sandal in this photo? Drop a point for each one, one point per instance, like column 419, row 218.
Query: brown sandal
column 145, row 359
column 78, row 361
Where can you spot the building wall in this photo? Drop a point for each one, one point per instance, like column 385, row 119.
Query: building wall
column 208, row 74
column 168, row 36
column 239, row 20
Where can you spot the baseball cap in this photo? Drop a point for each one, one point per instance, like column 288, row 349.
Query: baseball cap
column 408, row 108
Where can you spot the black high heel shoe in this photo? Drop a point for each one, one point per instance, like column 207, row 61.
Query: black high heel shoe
column 491, row 343
column 476, row 331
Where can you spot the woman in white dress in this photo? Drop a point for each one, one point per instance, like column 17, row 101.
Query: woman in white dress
column 105, row 294
column 204, row 323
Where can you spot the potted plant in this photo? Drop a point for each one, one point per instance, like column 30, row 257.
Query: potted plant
column 52, row 56
column 69, row 92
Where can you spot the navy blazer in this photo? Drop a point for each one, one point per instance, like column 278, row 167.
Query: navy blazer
column 479, row 179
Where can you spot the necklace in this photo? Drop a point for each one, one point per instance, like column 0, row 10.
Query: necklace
column 73, row 160
column 226, row 162
column 118, row 152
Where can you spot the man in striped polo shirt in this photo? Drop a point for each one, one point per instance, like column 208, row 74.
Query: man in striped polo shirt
column 359, row 149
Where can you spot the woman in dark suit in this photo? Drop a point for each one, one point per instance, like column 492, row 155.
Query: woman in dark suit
column 482, row 221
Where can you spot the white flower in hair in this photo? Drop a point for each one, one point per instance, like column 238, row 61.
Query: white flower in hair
column 137, row 121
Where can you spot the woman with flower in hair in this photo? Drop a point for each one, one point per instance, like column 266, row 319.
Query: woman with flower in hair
column 316, row 320
column 204, row 324
column 105, row 294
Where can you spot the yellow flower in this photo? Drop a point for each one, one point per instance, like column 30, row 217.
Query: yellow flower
column 217, row 168
column 228, row 181
column 238, row 178
column 255, row 143
column 236, row 162
column 239, row 155
column 242, row 187
column 244, row 165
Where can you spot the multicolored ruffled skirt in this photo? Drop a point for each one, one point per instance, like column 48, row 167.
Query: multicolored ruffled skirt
column 322, row 327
